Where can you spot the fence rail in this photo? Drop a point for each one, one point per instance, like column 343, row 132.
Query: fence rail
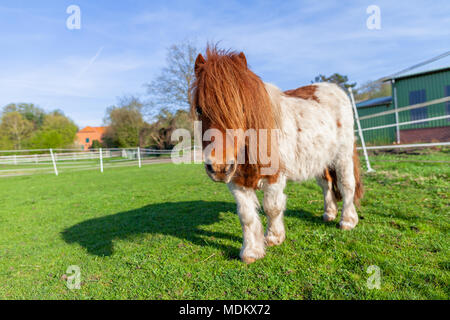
column 25, row 162
column 411, row 107
column 412, row 145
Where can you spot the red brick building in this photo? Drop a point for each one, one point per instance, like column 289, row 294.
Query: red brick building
column 88, row 134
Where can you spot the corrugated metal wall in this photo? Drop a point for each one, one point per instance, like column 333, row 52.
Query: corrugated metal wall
column 434, row 85
column 379, row 136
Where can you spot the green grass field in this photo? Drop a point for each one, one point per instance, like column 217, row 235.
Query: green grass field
column 168, row 232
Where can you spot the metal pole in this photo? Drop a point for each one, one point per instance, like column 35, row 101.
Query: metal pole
column 361, row 137
column 396, row 113
column 139, row 156
column 54, row 162
column 101, row 160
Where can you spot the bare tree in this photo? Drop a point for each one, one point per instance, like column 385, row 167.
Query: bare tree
column 170, row 90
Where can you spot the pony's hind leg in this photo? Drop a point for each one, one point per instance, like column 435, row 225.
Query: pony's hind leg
column 274, row 206
column 346, row 183
column 329, row 200
column 247, row 207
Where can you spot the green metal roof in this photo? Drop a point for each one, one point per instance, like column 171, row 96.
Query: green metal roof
column 374, row 102
column 416, row 73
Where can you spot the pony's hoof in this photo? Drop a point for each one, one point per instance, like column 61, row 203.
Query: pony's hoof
column 250, row 257
column 346, row 225
column 248, row 260
column 328, row 217
column 273, row 240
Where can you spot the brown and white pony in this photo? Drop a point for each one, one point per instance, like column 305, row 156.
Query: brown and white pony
column 315, row 140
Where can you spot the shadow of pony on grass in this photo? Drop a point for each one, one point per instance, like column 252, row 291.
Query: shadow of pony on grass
column 178, row 219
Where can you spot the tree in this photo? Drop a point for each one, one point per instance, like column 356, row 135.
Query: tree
column 95, row 144
column 29, row 111
column 48, row 139
column 15, row 128
column 159, row 134
column 57, row 131
column 340, row 80
column 26, row 125
column 171, row 89
column 373, row 89
column 125, row 122
column 5, row 143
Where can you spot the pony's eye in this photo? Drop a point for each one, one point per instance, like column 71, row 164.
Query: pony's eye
column 199, row 111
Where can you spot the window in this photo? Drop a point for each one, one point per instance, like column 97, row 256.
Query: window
column 87, row 140
column 447, row 104
column 416, row 97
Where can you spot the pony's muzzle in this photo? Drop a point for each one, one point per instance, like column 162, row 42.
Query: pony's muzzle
column 221, row 172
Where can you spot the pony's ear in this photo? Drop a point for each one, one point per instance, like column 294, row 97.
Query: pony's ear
column 242, row 59
column 199, row 62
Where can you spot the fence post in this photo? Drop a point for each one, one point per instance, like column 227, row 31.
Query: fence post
column 101, row 159
column 139, row 156
column 397, row 127
column 15, row 159
column 54, row 162
column 361, row 137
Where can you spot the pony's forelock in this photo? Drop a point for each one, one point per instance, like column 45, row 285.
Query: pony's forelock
column 230, row 94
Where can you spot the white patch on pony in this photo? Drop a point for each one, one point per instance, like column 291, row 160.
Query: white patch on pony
column 318, row 135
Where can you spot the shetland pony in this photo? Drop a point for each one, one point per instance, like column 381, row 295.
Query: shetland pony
column 315, row 140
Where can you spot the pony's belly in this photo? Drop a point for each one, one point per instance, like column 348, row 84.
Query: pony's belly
column 304, row 160
column 301, row 171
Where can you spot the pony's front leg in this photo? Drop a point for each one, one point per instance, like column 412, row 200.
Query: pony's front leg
column 274, row 206
column 247, row 207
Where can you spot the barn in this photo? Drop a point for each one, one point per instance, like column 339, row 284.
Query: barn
column 410, row 88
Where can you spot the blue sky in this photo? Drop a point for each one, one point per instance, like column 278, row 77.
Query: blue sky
column 121, row 44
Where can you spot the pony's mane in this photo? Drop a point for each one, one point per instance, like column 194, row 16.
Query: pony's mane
column 230, row 94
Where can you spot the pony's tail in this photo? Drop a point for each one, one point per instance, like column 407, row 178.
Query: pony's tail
column 330, row 175
column 333, row 178
column 359, row 189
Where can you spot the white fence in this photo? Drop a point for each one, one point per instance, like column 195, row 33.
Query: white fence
column 26, row 162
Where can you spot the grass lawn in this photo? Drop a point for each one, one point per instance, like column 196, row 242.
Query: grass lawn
column 167, row 232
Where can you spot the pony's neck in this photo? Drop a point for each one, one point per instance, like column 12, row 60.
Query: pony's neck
column 275, row 95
